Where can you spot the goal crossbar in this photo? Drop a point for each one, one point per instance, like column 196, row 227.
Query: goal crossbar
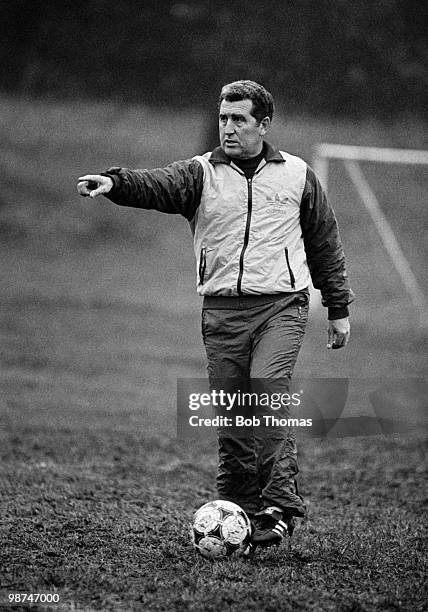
column 373, row 154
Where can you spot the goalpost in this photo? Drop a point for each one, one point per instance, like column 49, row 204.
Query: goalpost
column 351, row 155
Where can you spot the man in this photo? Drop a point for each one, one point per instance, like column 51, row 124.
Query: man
column 261, row 225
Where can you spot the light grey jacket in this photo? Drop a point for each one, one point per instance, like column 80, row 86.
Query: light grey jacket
column 265, row 235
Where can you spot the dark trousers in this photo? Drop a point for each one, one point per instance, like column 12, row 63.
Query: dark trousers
column 254, row 348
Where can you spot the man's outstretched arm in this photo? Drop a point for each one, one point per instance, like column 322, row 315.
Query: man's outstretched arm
column 175, row 189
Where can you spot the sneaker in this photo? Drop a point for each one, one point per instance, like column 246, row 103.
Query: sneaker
column 271, row 528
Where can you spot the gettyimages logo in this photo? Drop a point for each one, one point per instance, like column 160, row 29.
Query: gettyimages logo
column 321, row 407
column 218, row 398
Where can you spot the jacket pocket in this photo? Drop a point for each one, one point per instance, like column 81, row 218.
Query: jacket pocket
column 202, row 264
column 290, row 271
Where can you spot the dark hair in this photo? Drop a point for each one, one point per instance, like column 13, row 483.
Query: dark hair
column 249, row 90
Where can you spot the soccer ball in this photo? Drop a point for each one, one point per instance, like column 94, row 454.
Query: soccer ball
column 220, row 529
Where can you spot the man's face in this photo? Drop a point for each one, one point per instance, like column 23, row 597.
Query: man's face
column 240, row 134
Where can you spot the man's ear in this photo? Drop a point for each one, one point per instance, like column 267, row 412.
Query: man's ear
column 264, row 126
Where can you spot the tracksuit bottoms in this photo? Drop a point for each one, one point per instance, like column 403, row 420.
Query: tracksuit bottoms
column 252, row 343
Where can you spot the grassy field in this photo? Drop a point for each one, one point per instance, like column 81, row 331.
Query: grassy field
column 98, row 319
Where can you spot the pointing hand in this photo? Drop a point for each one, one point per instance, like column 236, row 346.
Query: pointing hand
column 93, row 185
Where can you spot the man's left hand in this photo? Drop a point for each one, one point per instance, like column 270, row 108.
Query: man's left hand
column 339, row 332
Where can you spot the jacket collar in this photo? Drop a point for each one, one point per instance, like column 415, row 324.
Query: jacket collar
column 218, row 156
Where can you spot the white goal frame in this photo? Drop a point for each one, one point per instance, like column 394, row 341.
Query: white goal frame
column 351, row 155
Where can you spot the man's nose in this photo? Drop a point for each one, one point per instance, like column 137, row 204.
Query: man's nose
column 229, row 127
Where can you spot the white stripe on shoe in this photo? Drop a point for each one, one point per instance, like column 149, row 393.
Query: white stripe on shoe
column 278, row 530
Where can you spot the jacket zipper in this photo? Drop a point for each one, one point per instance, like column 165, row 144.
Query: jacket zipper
column 202, row 264
column 246, row 236
column 290, row 271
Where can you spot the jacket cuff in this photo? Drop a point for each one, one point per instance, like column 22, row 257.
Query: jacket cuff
column 114, row 177
column 338, row 313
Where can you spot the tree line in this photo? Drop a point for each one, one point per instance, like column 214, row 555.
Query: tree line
column 336, row 57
